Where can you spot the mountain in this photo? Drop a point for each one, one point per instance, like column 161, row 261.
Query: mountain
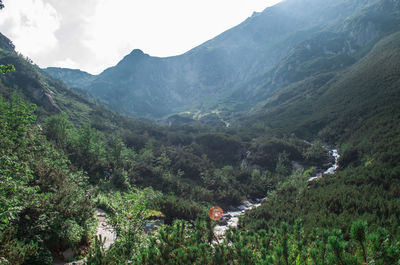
column 27, row 79
column 336, row 105
column 346, row 82
column 72, row 77
column 50, row 95
column 358, row 111
column 328, row 51
column 334, row 82
column 248, row 63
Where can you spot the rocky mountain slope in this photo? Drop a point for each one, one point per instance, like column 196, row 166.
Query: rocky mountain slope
column 247, row 64
column 50, row 95
column 364, row 90
column 72, row 77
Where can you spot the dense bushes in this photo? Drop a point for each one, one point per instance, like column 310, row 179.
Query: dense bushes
column 334, row 201
column 46, row 209
column 43, row 205
column 183, row 243
column 222, row 149
column 190, row 172
column 178, row 208
column 265, row 151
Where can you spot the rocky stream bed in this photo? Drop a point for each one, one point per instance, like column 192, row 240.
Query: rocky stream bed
column 231, row 217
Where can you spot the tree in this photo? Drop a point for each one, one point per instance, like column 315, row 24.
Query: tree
column 283, row 164
column 89, row 151
column 358, row 234
column 5, row 68
column 116, row 148
column 316, row 152
column 17, row 116
column 58, row 129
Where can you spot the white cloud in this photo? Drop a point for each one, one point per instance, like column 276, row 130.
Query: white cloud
column 30, row 26
column 66, row 63
column 96, row 34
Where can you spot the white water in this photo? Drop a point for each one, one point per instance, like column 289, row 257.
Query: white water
column 335, row 165
column 232, row 217
column 335, row 154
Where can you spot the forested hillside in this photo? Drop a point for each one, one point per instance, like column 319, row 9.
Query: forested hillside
column 57, row 150
column 337, row 85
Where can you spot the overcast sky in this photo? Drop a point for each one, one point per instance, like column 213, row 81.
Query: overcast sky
column 95, row 34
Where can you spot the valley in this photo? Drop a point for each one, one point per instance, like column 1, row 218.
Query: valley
column 288, row 121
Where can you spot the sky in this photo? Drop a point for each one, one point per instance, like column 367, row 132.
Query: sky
column 93, row 35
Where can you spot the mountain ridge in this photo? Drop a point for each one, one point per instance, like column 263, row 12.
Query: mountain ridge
column 209, row 74
column 336, row 85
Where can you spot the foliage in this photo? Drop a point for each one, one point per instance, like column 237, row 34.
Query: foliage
column 340, row 99
column 58, row 129
column 6, row 68
column 183, row 243
column 42, row 203
column 127, row 214
column 9, row 67
column 316, row 152
column 334, row 201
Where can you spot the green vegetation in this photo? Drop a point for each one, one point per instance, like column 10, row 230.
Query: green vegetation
column 9, row 67
column 62, row 154
column 45, row 208
column 183, row 243
column 47, row 169
column 6, row 68
column 43, row 204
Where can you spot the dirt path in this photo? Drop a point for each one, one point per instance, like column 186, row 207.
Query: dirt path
column 105, row 230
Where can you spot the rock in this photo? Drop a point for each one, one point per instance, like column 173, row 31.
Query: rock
column 105, row 230
column 242, row 207
column 233, row 209
column 296, row 165
column 223, row 222
column 79, row 262
column 252, row 201
column 68, row 254
column 247, row 203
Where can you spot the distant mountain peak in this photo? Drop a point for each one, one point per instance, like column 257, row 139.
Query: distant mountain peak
column 135, row 55
column 248, row 64
column 136, row 52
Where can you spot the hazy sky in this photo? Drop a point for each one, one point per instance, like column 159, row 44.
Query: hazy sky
column 95, row 34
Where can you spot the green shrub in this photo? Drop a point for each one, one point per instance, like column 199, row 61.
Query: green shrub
column 72, row 233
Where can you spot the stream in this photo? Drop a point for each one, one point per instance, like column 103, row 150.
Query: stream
column 228, row 220
column 334, row 156
column 231, row 218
